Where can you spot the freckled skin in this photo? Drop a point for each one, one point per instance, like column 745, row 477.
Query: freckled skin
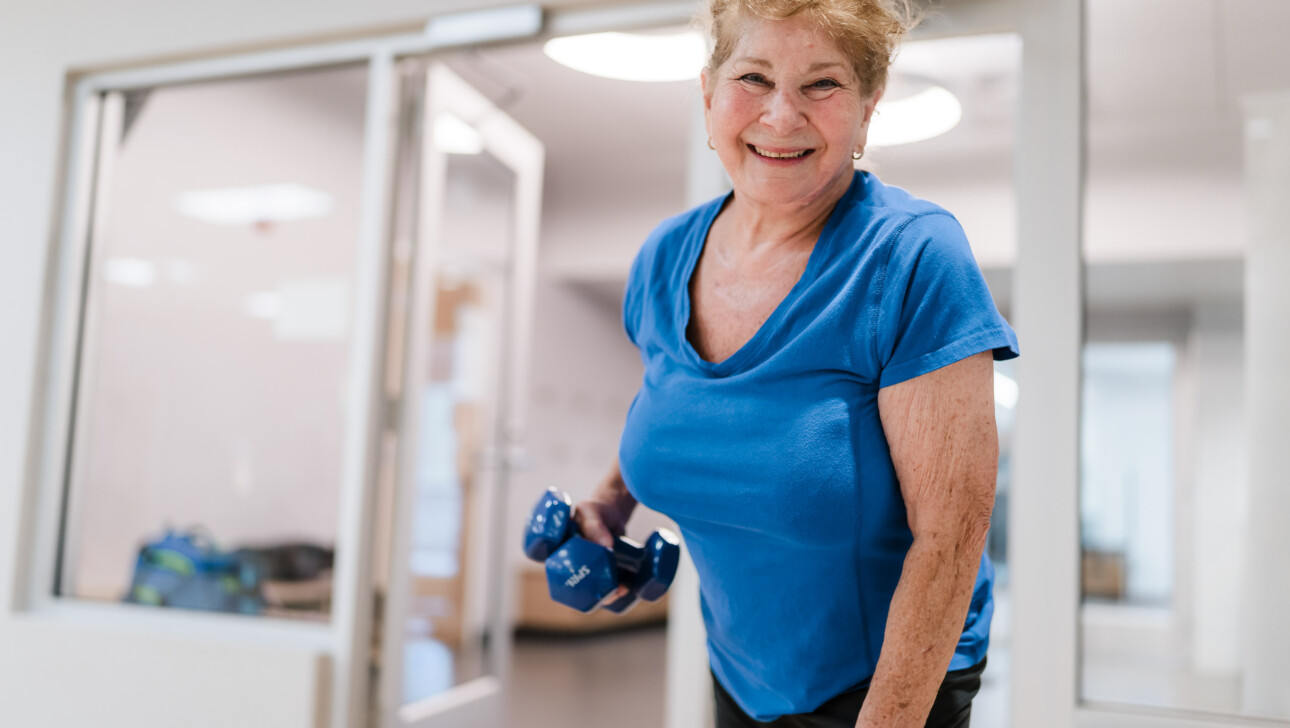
column 731, row 299
column 787, row 88
column 945, row 447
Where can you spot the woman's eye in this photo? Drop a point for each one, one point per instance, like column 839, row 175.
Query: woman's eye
column 825, row 83
column 756, row 78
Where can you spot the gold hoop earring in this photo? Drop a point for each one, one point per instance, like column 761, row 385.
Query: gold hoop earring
column 710, row 144
column 857, row 155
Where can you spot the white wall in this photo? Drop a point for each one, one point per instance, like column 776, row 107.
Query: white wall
column 59, row 676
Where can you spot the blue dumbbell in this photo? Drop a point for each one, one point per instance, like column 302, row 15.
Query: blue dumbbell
column 581, row 573
column 649, row 569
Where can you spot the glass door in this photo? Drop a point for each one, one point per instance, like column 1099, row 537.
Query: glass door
column 1148, row 569
column 1182, row 503
column 465, row 238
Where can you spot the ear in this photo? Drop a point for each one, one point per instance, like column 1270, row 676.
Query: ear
column 862, row 134
column 707, row 100
column 703, row 89
column 869, row 105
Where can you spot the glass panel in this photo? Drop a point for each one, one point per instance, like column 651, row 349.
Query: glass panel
column 452, row 590
column 1177, row 578
column 206, row 464
column 1126, row 498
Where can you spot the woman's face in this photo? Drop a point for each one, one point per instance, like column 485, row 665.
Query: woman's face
column 785, row 112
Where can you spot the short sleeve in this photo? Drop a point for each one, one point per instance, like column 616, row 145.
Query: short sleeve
column 935, row 308
column 631, row 302
column 641, row 293
column 635, row 294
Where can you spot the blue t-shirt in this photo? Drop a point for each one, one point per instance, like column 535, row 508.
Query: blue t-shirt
column 773, row 463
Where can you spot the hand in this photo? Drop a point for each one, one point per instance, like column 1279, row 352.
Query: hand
column 601, row 523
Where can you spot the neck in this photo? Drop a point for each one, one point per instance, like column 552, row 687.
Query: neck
column 757, row 226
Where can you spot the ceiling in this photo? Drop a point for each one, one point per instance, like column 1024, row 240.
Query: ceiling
column 1165, row 79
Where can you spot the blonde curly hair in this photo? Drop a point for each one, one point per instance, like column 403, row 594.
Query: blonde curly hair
column 866, row 31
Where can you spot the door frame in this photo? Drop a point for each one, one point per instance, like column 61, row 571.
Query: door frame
column 476, row 703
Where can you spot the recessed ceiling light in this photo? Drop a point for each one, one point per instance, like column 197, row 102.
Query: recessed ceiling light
column 924, row 110
column 632, row 56
column 251, row 205
column 922, row 115
column 454, row 136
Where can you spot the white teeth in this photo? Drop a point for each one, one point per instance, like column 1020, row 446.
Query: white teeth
column 773, row 155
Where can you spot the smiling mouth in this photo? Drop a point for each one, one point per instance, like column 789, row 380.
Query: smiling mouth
column 776, row 155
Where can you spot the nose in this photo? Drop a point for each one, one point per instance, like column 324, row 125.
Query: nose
column 783, row 113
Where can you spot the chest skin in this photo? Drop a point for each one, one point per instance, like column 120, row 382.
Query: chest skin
column 731, row 299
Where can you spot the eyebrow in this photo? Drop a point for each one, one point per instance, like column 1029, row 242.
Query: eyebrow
column 767, row 64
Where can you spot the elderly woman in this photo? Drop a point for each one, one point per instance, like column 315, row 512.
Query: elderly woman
column 817, row 408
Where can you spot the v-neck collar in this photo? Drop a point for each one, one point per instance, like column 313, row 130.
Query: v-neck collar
column 746, row 354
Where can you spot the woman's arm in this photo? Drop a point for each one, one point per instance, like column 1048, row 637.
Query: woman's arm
column 941, row 431
column 603, row 516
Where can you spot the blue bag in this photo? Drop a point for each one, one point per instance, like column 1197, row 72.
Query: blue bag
column 186, row 570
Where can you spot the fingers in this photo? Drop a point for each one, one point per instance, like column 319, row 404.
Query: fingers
column 592, row 525
column 613, row 596
column 596, row 522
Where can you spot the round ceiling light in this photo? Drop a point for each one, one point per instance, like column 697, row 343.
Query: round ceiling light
column 632, row 56
column 927, row 113
column 914, row 109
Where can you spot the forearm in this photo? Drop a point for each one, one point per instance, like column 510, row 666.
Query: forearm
column 923, row 627
column 613, row 491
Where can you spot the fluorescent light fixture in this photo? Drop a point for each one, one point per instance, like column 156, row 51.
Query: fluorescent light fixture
column 454, row 136
column 926, row 114
column 1006, row 390
column 632, row 56
column 131, row 272
column 250, row 205
column 143, row 273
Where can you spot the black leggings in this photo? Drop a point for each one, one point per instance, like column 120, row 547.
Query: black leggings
column 952, row 709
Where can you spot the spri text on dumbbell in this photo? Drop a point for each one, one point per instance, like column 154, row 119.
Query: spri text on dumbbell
column 572, row 581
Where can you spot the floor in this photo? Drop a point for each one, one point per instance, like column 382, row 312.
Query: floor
column 1134, row 655
column 617, row 680
column 607, row 680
